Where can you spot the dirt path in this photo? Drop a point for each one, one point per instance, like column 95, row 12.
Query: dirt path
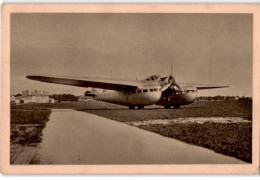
column 23, row 154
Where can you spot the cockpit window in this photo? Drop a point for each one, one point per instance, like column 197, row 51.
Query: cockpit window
column 154, row 78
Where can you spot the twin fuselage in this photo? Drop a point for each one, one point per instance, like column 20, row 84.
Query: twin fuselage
column 149, row 95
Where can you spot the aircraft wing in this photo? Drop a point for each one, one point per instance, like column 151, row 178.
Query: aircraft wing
column 203, row 86
column 210, row 87
column 111, row 84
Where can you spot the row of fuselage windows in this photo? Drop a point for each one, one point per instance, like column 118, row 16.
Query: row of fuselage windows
column 142, row 91
column 155, row 90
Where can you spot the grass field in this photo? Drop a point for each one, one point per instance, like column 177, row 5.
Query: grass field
column 233, row 139
column 241, row 109
column 27, row 123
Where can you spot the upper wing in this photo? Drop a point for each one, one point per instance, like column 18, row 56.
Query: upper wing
column 111, row 84
column 203, row 86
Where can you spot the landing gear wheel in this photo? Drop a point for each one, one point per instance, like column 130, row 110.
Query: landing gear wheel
column 140, row 107
column 177, row 107
column 167, row 107
column 131, row 107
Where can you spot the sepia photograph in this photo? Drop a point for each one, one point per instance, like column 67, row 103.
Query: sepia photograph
column 131, row 88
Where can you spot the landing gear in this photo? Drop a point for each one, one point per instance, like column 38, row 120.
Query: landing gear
column 177, row 107
column 167, row 107
column 140, row 107
column 131, row 107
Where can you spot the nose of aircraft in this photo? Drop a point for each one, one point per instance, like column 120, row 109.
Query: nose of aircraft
column 166, row 82
column 183, row 99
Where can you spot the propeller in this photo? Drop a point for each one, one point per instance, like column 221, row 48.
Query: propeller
column 169, row 82
column 166, row 82
column 179, row 87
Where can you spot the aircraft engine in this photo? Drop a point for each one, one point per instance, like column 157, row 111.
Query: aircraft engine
column 166, row 82
column 169, row 87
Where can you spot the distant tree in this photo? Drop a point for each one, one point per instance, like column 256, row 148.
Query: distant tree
column 64, row 97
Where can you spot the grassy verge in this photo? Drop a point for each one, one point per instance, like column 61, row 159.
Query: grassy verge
column 27, row 123
column 232, row 139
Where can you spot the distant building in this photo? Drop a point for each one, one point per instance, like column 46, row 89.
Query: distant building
column 33, row 97
column 52, row 100
column 25, row 93
column 13, row 99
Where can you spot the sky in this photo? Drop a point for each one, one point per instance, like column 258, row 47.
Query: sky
column 202, row 48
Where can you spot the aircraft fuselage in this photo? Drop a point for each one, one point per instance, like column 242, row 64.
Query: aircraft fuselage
column 178, row 99
column 140, row 97
column 148, row 96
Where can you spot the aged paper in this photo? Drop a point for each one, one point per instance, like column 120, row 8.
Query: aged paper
column 109, row 41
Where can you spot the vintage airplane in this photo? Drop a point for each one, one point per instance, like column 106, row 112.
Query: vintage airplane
column 158, row 90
